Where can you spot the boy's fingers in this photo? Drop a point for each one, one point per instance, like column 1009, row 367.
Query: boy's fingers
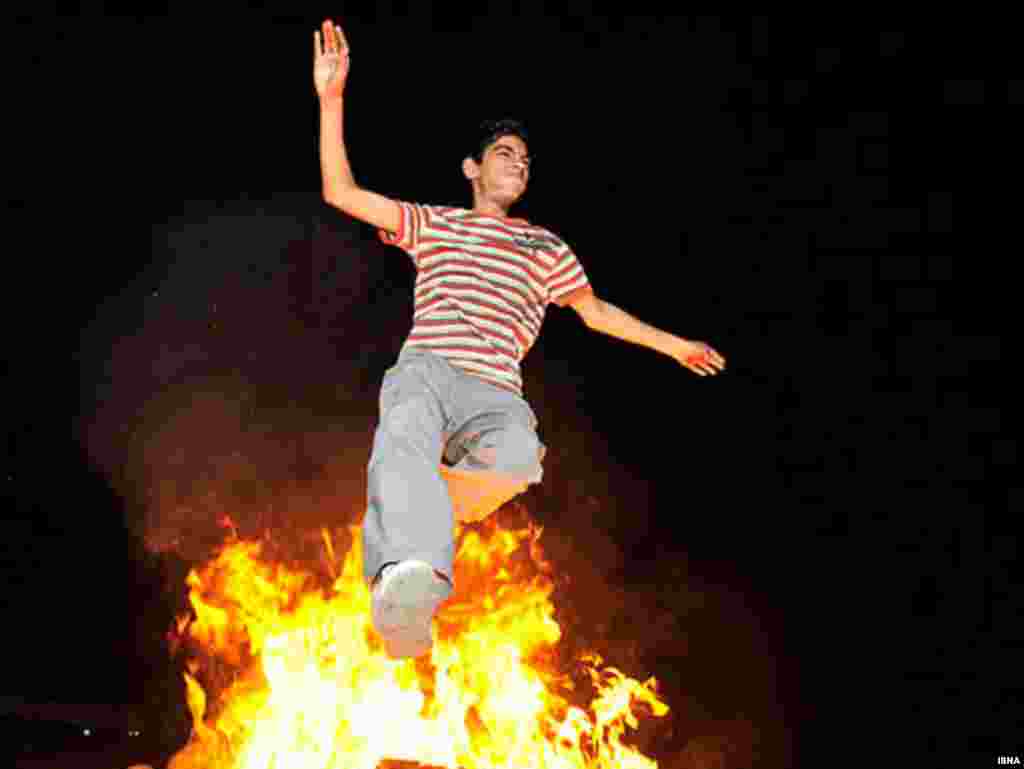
column 713, row 359
column 316, row 44
column 703, row 367
column 342, row 42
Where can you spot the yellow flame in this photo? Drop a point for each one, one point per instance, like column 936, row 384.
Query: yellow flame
column 312, row 688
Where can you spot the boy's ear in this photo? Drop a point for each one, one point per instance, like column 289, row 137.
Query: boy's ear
column 470, row 168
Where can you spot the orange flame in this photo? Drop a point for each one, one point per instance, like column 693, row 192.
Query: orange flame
column 312, row 689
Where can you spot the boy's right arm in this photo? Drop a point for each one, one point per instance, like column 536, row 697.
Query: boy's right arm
column 330, row 70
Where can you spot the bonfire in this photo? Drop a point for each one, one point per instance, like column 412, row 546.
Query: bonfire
column 285, row 671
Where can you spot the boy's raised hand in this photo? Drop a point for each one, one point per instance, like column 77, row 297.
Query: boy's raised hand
column 330, row 61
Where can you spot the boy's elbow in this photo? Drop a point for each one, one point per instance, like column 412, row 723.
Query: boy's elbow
column 331, row 197
column 334, row 194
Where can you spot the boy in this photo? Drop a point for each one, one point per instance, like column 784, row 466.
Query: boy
column 483, row 282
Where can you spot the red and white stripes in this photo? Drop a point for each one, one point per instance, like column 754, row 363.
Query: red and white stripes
column 483, row 285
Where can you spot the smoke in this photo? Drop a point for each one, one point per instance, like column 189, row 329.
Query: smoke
column 232, row 384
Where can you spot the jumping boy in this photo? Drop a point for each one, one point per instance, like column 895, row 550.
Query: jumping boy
column 483, row 283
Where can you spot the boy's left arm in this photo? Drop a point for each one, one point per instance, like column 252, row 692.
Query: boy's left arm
column 605, row 317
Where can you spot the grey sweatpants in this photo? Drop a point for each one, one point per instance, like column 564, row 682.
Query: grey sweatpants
column 430, row 409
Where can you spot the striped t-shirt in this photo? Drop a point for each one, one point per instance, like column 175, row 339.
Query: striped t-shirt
column 482, row 286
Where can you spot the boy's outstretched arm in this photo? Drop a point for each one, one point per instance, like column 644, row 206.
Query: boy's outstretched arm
column 608, row 319
column 331, row 62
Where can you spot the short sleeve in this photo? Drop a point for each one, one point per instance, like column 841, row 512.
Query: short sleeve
column 567, row 281
column 414, row 218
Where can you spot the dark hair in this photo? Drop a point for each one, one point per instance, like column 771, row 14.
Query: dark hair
column 490, row 131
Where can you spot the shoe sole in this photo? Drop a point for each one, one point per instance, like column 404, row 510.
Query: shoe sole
column 404, row 602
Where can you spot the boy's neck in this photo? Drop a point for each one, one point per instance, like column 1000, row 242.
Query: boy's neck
column 486, row 207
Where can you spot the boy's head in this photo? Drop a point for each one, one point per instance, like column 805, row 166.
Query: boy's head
column 499, row 164
column 489, row 131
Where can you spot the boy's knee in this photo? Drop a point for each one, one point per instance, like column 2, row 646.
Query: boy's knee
column 514, row 449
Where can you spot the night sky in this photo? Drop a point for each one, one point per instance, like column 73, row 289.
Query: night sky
column 824, row 527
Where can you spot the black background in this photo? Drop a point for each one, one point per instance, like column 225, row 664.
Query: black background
column 793, row 190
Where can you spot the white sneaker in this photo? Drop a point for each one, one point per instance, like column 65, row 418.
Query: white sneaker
column 405, row 596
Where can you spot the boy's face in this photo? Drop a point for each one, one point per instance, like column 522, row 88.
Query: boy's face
column 504, row 170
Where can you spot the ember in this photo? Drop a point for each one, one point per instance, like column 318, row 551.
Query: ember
column 302, row 682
